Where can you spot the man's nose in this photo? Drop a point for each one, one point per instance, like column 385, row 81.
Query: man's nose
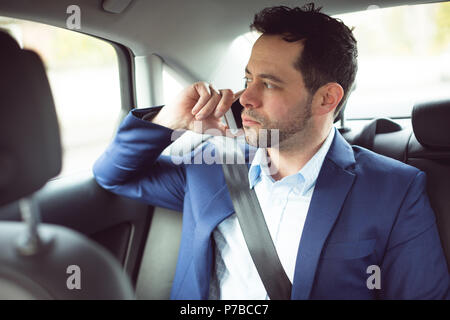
column 250, row 98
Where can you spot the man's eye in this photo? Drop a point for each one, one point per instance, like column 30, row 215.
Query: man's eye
column 246, row 81
column 269, row 86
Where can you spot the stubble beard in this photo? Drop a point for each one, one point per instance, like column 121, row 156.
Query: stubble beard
column 282, row 134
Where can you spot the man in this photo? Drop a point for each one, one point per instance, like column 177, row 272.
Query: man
column 336, row 213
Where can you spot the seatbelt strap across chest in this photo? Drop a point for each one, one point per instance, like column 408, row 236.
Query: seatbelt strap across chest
column 256, row 233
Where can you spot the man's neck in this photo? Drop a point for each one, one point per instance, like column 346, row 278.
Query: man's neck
column 290, row 160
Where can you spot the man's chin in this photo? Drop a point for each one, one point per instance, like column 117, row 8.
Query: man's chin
column 251, row 136
column 261, row 138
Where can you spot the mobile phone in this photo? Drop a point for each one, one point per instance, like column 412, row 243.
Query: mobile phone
column 233, row 117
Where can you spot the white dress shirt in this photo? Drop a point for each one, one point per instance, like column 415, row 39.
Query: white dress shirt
column 284, row 204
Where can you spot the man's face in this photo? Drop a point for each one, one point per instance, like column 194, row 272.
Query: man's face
column 276, row 97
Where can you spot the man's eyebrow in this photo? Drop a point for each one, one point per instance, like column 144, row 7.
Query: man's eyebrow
column 266, row 76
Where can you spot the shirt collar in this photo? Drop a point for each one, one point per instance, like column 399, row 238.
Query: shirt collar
column 308, row 174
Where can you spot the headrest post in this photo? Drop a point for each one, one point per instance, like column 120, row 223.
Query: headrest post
column 342, row 128
column 30, row 242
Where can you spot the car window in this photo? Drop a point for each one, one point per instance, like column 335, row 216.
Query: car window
column 172, row 84
column 84, row 77
column 404, row 57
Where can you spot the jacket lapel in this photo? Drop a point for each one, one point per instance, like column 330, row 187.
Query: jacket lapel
column 332, row 185
column 219, row 208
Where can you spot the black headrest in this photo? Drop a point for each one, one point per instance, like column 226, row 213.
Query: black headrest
column 431, row 124
column 30, row 148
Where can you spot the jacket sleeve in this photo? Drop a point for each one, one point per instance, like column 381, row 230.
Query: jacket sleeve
column 133, row 166
column 414, row 265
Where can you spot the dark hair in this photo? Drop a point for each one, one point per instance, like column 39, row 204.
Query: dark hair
column 329, row 53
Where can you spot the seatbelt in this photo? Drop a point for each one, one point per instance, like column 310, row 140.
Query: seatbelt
column 256, row 232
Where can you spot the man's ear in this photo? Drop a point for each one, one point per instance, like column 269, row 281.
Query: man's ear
column 327, row 98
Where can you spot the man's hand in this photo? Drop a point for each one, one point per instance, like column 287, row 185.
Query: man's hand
column 198, row 102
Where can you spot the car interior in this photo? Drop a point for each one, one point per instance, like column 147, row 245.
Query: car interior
column 128, row 248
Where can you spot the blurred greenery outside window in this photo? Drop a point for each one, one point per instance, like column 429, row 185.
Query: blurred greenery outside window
column 84, row 77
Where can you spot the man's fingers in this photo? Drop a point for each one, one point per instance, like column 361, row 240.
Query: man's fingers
column 204, row 93
column 209, row 107
column 207, row 87
column 212, row 102
column 225, row 102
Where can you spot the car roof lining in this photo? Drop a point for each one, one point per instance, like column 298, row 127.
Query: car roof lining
column 199, row 31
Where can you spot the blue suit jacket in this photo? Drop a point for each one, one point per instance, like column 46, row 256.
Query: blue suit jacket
column 366, row 210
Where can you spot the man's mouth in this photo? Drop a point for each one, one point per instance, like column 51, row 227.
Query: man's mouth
column 246, row 121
